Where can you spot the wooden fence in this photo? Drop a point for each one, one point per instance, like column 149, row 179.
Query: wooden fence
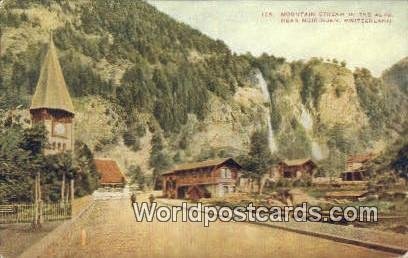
column 25, row 213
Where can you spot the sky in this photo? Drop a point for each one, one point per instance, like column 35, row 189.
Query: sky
column 256, row 27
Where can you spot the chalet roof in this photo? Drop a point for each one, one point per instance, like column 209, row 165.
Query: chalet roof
column 202, row 164
column 361, row 158
column 296, row 162
column 51, row 90
column 109, row 171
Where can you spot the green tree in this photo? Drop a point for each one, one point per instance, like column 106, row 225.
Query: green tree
column 87, row 177
column 137, row 176
column 131, row 140
column 400, row 163
column 20, row 159
column 160, row 160
column 259, row 158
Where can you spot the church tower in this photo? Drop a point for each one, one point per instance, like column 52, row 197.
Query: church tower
column 52, row 104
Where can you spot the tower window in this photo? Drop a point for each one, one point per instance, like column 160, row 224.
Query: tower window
column 54, row 145
column 59, row 146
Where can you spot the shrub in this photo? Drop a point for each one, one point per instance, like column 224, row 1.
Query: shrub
column 284, row 182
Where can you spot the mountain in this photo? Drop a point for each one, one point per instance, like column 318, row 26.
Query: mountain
column 397, row 75
column 150, row 91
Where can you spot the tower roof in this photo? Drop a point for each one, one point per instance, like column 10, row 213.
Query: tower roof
column 51, row 91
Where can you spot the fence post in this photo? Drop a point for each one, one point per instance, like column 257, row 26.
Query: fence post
column 72, row 190
column 36, row 213
column 35, row 221
column 41, row 207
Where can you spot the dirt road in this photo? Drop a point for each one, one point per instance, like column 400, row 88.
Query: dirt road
column 111, row 231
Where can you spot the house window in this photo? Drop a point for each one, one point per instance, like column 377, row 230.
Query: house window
column 64, row 146
column 225, row 173
column 228, row 173
column 225, row 189
column 59, row 146
column 54, row 145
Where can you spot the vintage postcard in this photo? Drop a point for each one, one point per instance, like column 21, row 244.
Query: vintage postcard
column 203, row 128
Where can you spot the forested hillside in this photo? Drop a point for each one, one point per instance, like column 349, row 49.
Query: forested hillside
column 167, row 68
column 168, row 93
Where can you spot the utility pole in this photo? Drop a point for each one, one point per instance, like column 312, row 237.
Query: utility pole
column 38, row 218
column 63, row 186
column 35, row 221
column 72, row 191
column 40, row 203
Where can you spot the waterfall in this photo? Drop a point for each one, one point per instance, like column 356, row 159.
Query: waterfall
column 267, row 99
column 317, row 152
column 306, row 119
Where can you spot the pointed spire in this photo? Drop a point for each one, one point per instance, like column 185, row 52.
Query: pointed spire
column 51, row 91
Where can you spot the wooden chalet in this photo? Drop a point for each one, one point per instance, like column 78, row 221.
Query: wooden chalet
column 356, row 167
column 296, row 168
column 210, row 178
column 356, row 162
column 110, row 173
column 356, row 175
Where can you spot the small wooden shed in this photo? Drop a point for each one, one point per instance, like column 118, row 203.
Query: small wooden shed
column 296, row 168
column 110, row 173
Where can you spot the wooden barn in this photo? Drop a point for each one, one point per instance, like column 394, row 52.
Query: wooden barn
column 296, row 168
column 206, row 179
column 110, row 173
column 355, row 175
column 356, row 167
column 357, row 162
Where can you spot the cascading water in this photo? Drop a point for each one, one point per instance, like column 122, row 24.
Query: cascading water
column 307, row 121
column 267, row 98
column 317, row 152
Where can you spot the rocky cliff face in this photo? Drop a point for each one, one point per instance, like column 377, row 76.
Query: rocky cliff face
column 162, row 77
column 339, row 103
column 304, row 130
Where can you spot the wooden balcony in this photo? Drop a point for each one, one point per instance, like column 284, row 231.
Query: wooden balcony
column 225, row 180
column 203, row 180
column 196, row 181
